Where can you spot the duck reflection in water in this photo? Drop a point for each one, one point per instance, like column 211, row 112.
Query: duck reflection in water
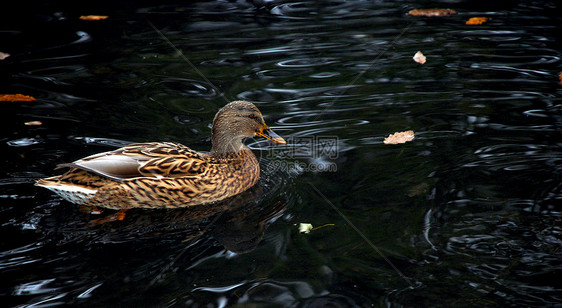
column 237, row 223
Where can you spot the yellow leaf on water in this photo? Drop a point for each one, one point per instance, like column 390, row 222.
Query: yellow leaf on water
column 93, row 17
column 476, row 21
column 16, row 98
column 4, row 55
column 419, row 57
column 432, row 12
column 305, row 227
column 33, row 123
column 401, row 137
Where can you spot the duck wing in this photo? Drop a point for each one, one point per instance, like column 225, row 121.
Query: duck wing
column 156, row 159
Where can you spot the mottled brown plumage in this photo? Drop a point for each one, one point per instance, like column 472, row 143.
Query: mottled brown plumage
column 166, row 174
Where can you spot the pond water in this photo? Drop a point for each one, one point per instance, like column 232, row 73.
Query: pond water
column 466, row 214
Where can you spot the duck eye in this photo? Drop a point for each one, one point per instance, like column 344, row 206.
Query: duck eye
column 252, row 116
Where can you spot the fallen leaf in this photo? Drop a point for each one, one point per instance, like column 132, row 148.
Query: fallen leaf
column 4, row 55
column 33, row 123
column 476, row 21
column 93, row 17
column 560, row 78
column 419, row 57
column 305, row 228
column 16, row 98
column 401, row 137
column 432, row 12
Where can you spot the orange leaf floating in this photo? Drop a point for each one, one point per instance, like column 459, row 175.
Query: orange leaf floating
column 476, row 21
column 4, row 55
column 419, row 57
column 432, row 12
column 560, row 78
column 16, row 98
column 93, row 17
column 33, row 123
column 401, row 137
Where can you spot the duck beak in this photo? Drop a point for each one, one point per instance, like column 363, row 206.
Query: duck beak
column 268, row 134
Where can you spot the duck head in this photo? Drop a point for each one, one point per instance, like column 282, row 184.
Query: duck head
column 236, row 121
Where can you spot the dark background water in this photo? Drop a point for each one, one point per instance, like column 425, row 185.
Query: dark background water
column 467, row 214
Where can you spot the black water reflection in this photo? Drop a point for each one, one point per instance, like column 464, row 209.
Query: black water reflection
column 469, row 211
column 65, row 236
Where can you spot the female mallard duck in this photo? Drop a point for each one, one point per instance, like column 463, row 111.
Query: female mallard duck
column 169, row 175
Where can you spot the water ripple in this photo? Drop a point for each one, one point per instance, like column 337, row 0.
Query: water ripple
column 306, row 62
column 485, row 108
column 24, row 142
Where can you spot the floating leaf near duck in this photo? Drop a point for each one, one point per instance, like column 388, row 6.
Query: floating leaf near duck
column 399, row 137
column 166, row 174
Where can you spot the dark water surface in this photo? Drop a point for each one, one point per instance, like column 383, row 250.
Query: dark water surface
column 467, row 214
